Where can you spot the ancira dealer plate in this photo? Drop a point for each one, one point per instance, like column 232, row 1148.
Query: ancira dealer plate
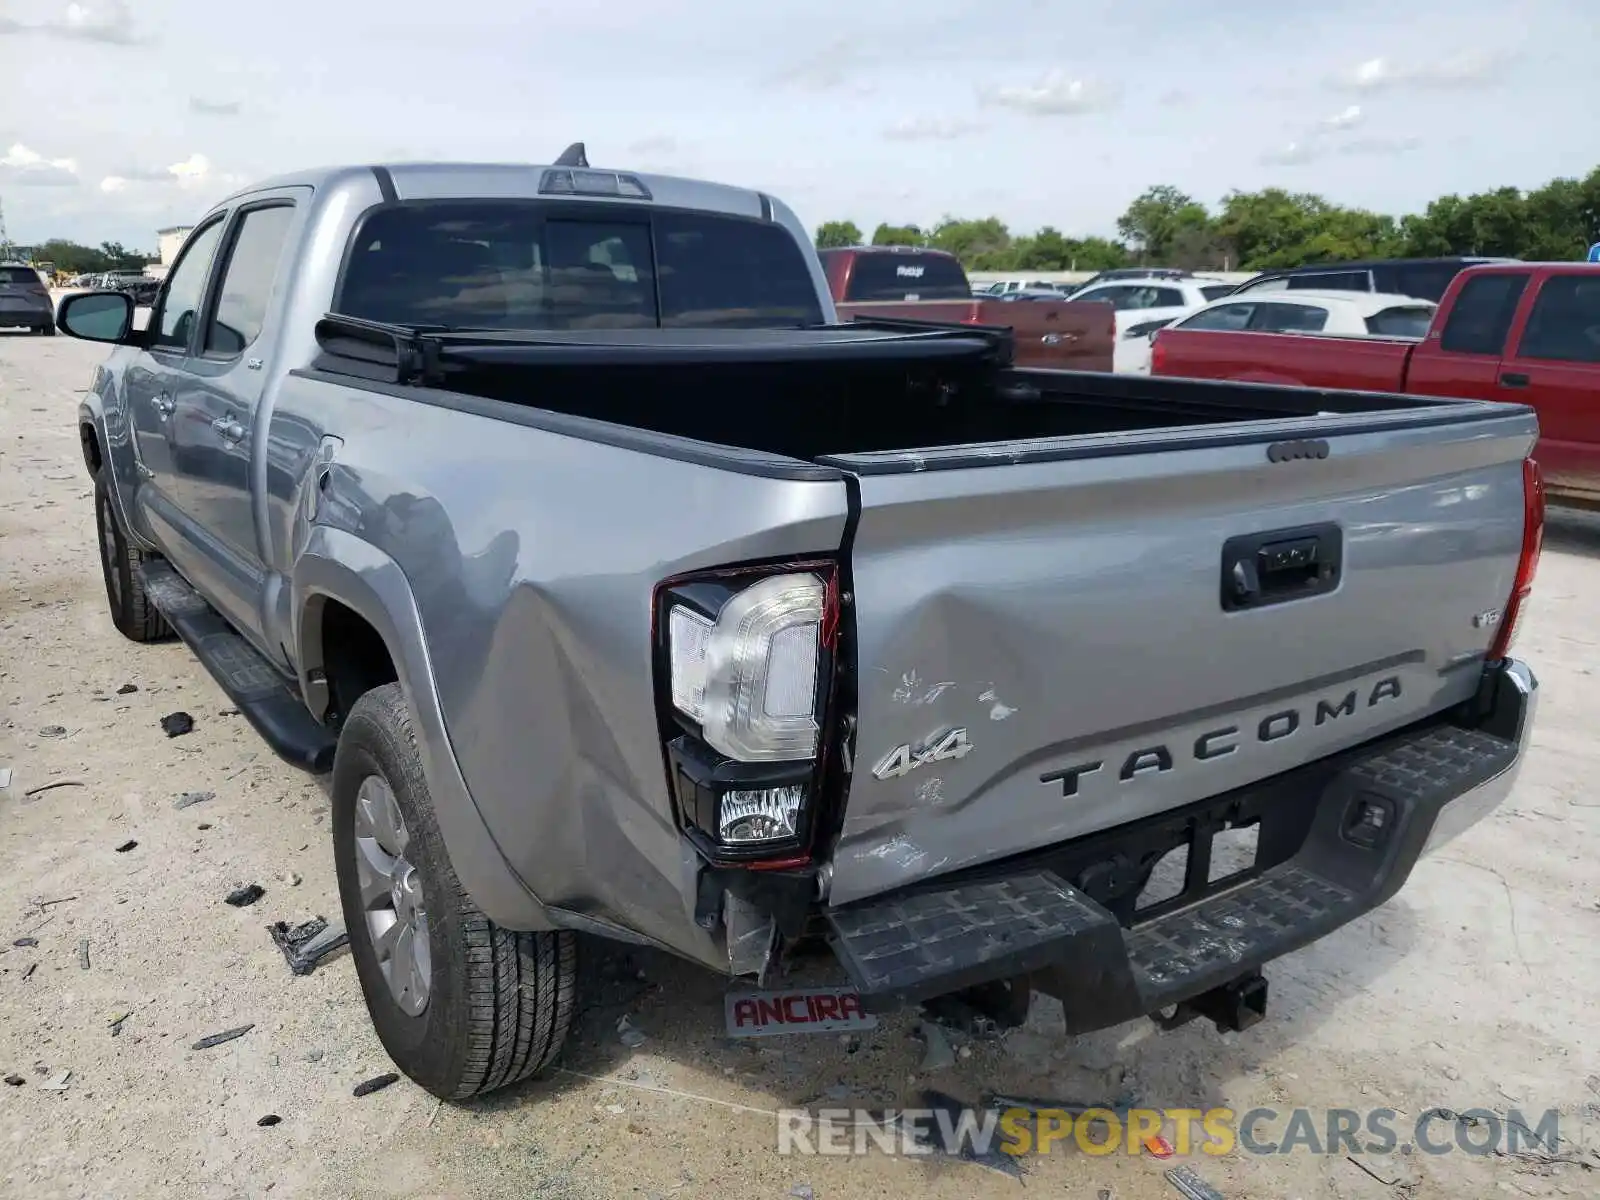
column 801, row 1010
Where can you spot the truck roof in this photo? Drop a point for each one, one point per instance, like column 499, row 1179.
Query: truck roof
column 467, row 180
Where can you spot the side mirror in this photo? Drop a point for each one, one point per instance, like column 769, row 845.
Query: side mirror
column 97, row 316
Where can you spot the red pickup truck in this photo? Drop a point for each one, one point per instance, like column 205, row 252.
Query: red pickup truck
column 930, row 285
column 1525, row 333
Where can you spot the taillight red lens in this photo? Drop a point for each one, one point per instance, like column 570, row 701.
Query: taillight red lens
column 1158, row 355
column 1528, row 564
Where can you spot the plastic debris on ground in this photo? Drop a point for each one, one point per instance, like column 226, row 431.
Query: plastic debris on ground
column 269, row 1120
column 243, row 897
column 116, row 1023
column 53, row 731
column 952, row 1109
column 15, row 1080
column 5, row 778
column 227, row 1035
column 126, row 846
column 307, row 944
column 802, row 1191
column 177, row 724
column 58, row 1084
column 83, row 954
column 630, row 1034
column 1190, row 1186
column 1159, row 1146
column 938, row 1054
column 189, row 799
column 127, row 689
column 23, row 943
column 376, row 1084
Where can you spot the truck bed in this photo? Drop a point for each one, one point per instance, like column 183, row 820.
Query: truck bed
column 876, row 395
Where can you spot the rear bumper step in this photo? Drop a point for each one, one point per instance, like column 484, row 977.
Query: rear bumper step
column 1369, row 816
column 265, row 698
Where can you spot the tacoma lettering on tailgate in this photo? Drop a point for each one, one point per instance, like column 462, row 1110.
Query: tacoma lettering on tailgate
column 1227, row 739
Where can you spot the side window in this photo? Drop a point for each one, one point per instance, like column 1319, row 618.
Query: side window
column 1482, row 314
column 1168, row 298
column 247, row 279
column 180, row 304
column 1565, row 323
column 1117, row 297
column 1289, row 318
column 1410, row 321
column 1140, row 298
column 1227, row 316
column 1334, row 281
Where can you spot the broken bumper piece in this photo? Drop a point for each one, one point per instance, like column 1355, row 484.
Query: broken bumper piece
column 1337, row 838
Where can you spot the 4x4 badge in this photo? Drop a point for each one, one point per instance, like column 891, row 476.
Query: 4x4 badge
column 903, row 760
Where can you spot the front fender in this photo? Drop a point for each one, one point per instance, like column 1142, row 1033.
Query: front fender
column 340, row 566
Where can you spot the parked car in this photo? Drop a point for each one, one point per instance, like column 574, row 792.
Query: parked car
column 877, row 282
column 1347, row 314
column 1522, row 332
column 630, row 595
column 1421, row 278
column 25, row 300
column 1146, row 303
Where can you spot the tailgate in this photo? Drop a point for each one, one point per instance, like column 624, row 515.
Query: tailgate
column 1067, row 336
column 1044, row 649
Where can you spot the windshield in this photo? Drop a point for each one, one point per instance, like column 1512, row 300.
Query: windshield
column 906, row 276
column 484, row 264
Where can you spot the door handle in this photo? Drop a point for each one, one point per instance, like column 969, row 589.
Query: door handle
column 163, row 404
column 230, row 429
column 1514, row 379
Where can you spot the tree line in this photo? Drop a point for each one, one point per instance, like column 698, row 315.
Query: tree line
column 71, row 258
column 1253, row 231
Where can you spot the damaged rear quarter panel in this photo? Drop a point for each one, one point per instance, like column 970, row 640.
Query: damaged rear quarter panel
column 533, row 558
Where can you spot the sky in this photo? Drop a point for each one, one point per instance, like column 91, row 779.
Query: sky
column 118, row 118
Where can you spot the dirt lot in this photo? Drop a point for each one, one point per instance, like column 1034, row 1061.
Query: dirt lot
column 1475, row 988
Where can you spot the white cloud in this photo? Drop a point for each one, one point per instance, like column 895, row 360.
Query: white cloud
column 1379, row 147
column 1294, row 154
column 107, row 22
column 1475, row 69
column 24, row 166
column 931, row 129
column 1348, row 119
column 1056, row 95
column 214, row 108
column 193, row 172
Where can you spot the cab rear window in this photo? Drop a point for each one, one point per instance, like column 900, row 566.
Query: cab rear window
column 26, row 276
column 484, row 264
column 902, row 276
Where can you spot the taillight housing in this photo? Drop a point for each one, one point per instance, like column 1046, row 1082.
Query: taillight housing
column 1158, row 354
column 1527, row 564
column 745, row 667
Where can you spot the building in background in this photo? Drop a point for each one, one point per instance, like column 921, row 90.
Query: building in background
column 168, row 242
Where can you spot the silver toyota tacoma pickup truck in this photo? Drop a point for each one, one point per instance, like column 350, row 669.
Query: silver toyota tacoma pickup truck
column 629, row 595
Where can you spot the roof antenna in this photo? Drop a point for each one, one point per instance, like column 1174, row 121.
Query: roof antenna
column 573, row 156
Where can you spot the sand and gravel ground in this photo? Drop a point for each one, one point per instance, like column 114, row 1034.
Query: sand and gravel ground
column 1475, row 988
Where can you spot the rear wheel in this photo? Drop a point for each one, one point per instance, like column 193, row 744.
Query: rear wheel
column 132, row 612
column 461, row 1005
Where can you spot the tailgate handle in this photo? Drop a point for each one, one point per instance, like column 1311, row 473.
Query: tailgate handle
column 1260, row 569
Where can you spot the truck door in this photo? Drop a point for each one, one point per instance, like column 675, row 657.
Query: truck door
column 151, row 383
column 1555, row 368
column 1463, row 359
column 217, row 395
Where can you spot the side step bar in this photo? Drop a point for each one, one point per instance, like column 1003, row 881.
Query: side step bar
column 264, row 697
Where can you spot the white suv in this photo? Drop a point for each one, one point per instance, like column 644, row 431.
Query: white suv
column 1145, row 305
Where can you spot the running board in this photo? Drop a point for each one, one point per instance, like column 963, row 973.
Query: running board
column 264, row 697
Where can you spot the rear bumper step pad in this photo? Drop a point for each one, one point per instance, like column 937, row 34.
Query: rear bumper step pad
column 1426, row 784
column 264, row 696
